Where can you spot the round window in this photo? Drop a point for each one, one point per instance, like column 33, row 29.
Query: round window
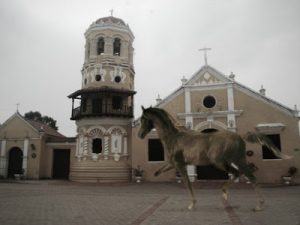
column 209, row 101
column 98, row 77
column 117, row 79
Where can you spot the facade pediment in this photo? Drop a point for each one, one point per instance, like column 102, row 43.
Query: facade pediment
column 17, row 127
column 207, row 76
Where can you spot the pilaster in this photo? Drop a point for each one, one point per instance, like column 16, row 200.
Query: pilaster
column 25, row 156
column 231, row 120
column 3, row 159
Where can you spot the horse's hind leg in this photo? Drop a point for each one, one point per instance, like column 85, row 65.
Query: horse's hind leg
column 244, row 168
column 235, row 174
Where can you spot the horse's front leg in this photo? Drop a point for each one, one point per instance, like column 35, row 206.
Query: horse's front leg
column 163, row 169
column 181, row 167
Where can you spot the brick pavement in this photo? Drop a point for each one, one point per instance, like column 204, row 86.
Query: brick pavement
column 61, row 202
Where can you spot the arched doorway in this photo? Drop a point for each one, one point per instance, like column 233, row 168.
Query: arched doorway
column 210, row 172
column 15, row 160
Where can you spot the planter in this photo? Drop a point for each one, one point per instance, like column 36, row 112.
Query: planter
column 178, row 179
column 138, row 179
column 117, row 157
column 287, row 180
column 95, row 157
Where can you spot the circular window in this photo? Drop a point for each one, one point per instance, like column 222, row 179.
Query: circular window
column 117, row 79
column 98, row 77
column 209, row 101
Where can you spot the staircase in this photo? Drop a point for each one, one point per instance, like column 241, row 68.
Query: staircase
column 100, row 171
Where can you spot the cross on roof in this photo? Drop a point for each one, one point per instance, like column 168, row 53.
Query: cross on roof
column 205, row 54
column 111, row 12
column 18, row 104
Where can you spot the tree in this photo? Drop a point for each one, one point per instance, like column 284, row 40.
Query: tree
column 37, row 116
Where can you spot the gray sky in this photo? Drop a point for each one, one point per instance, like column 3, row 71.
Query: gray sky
column 42, row 46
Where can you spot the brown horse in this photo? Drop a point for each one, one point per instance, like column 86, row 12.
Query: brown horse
column 223, row 149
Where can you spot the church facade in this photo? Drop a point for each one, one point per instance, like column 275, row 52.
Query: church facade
column 210, row 101
column 107, row 147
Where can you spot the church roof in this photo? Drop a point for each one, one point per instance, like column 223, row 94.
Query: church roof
column 110, row 20
column 37, row 126
column 103, row 89
column 42, row 127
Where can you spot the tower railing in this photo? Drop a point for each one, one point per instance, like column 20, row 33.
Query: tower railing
column 104, row 110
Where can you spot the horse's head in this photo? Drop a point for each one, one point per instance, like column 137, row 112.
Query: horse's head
column 146, row 124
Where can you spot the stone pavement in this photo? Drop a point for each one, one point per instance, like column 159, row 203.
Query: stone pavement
column 68, row 203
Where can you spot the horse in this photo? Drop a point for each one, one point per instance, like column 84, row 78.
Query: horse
column 224, row 149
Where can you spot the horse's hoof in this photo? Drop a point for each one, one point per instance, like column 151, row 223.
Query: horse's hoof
column 225, row 196
column 191, row 206
column 258, row 209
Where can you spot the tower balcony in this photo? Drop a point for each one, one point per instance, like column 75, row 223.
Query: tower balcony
column 107, row 110
column 102, row 102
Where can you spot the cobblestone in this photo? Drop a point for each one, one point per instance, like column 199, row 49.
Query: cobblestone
column 61, row 202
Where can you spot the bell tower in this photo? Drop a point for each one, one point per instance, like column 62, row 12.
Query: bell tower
column 103, row 107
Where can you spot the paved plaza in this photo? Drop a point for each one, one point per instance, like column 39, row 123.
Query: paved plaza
column 67, row 203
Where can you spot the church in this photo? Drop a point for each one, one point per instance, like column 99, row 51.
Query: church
column 107, row 146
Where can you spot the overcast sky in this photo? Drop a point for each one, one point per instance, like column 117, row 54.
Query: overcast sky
column 42, row 48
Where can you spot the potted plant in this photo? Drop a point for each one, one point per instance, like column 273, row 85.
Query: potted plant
column 178, row 177
column 138, row 174
column 288, row 178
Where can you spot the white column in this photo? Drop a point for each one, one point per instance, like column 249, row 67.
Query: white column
column 231, row 122
column 25, row 155
column 85, row 145
column 3, row 159
column 187, row 107
column 125, row 146
column 191, row 171
column 106, row 149
column 80, row 145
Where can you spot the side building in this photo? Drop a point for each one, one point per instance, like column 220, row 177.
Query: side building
column 33, row 150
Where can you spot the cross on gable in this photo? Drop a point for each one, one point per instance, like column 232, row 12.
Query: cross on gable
column 205, row 53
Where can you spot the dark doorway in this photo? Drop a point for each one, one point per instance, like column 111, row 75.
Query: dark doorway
column 155, row 150
column 97, row 145
column 61, row 163
column 15, row 160
column 210, row 172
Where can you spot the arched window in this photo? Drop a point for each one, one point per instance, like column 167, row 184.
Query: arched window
column 100, row 46
column 117, row 46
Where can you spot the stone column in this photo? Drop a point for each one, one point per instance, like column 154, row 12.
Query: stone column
column 3, row 159
column 106, row 149
column 108, row 46
column 25, row 155
column 191, row 170
column 231, row 122
column 93, row 48
column 187, row 107
column 124, row 49
column 125, row 152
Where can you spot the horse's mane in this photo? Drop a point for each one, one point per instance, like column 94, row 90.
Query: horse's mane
column 165, row 117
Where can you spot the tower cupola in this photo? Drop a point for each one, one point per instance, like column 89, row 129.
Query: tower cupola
column 107, row 87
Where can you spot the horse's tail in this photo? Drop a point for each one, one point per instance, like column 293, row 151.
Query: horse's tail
column 259, row 138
